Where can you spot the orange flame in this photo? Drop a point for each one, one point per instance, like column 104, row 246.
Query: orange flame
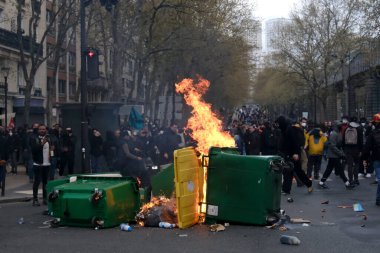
column 206, row 127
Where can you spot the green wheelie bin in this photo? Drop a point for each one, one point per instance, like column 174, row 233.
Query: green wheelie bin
column 242, row 189
column 94, row 201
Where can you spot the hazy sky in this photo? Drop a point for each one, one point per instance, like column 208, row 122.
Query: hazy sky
column 273, row 8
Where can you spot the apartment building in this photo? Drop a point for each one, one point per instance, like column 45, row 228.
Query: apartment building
column 10, row 65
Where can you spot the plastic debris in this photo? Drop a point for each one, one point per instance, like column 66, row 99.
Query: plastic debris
column 358, row 207
column 290, row 200
column 365, row 217
column 344, row 206
column 325, row 202
column 163, row 224
column 21, row 221
column 217, row 228
column 226, row 224
column 290, row 240
column 182, row 235
column 305, row 225
column 328, row 223
column 299, row 220
column 125, row 227
column 362, row 226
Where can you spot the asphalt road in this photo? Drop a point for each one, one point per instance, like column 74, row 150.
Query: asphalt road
column 335, row 230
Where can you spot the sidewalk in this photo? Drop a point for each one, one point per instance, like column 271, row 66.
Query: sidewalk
column 17, row 187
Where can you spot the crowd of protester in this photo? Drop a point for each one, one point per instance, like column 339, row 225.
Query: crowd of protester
column 350, row 145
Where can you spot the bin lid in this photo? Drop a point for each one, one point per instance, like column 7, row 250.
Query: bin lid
column 188, row 180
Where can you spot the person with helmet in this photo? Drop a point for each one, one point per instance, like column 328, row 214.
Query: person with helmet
column 372, row 148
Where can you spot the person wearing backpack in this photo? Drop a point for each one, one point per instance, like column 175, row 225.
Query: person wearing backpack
column 372, row 148
column 352, row 146
column 334, row 156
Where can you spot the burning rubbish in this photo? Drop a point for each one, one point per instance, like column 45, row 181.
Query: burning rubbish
column 158, row 210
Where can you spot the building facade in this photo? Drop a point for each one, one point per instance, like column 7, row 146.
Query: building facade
column 10, row 59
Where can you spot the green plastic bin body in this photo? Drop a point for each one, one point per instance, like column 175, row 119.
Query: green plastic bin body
column 242, row 189
column 50, row 187
column 95, row 201
column 163, row 182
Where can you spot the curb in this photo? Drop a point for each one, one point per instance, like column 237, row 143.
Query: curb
column 15, row 200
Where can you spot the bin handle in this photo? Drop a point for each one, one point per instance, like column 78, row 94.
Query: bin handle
column 277, row 165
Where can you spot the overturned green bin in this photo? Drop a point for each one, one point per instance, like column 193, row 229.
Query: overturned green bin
column 94, row 201
column 242, row 189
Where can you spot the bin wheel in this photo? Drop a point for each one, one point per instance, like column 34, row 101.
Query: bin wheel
column 54, row 223
column 52, row 196
column 273, row 218
column 97, row 222
column 96, row 197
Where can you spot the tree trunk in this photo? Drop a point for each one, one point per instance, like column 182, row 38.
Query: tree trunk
column 28, row 98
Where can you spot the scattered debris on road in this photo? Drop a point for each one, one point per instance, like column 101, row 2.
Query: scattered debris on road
column 358, row 207
column 344, row 206
column 299, row 221
column 217, row 228
column 290, row 240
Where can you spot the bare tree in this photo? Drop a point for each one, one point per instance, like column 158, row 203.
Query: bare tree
column 315, row 44
column 31, row 44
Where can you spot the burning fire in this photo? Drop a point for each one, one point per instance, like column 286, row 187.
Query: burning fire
column 206, row 127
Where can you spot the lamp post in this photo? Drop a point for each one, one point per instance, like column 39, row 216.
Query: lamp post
column 5, row 70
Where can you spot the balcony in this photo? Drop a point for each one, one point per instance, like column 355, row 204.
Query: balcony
column 9, row 39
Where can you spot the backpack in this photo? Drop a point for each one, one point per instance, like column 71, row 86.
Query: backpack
column 351, row 136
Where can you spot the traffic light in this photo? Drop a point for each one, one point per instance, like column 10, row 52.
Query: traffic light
column 92, row 66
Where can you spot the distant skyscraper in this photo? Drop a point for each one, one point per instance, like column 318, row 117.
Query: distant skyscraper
column 273, row 27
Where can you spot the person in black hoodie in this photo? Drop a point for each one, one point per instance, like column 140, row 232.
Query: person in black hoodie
column 96, row 151
column 270, row 138
column 3, row 160
column 291, row 146
column 252, row 141
column 169, row 142
column 372, row 148
column 40, row 146
column 67, row 151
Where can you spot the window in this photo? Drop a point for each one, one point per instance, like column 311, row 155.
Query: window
column 72, row 88
column 72, row 59
column 130, row 67
column 20, row 76
column 71, row 36
column 110, row 56
column 49, row 20
column 50, row 52
column 62, row 87
column 62, row 58
column 2, row 23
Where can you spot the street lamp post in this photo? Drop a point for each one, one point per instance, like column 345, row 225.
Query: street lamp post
column 5, row 70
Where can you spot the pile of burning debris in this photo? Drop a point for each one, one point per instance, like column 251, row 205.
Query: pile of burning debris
column 159, row 209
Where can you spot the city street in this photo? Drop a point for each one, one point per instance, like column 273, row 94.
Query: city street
column 331, row 230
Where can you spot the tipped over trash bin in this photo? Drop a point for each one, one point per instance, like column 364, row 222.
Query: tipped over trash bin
column 94, row 201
